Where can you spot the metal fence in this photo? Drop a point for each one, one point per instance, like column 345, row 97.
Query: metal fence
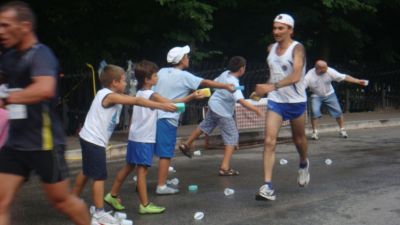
column 383, row 91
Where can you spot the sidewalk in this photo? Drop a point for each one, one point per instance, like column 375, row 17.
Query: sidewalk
column 327, row 124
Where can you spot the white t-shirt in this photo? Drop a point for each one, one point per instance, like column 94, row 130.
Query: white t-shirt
column 144, row 121
column 320, row 85
column 280, row 67
column 174, row 83
column 222, row 102
column 100, row 122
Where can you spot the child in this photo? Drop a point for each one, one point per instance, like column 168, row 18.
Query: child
column 142, row 138
column 174, row 82
column 99, row 124
column 221, row 108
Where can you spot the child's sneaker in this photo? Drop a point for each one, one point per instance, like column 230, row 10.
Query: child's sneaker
column 266, row 193
column 304, row 176
column 104, row 218
column 315, row 135
column 166, row 190
column 343, row 133
column 150, row 209
column 113, row 202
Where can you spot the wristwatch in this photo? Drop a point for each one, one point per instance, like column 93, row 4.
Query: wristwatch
column 276, row 86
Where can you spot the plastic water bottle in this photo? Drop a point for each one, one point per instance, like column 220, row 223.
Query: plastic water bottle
column 229, row 191
column 283, row 161
column 198, row 215
column 174, row 181
column 193, row 188
column 328, row 162
column 197, row 153
column 171, row 169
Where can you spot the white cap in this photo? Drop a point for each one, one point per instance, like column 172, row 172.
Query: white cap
column 285, row 19
column 175, row 55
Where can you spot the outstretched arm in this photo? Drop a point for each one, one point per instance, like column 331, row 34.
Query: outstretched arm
column 351, row 79
column 195, row 95
column 115, row 98
column 251, row 107
column 214, row 84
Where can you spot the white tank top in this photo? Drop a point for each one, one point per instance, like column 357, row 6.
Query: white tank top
column 280, row 67
column 100, row 122
column 144, row 121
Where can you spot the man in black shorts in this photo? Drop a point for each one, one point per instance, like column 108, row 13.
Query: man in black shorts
column 36, row 139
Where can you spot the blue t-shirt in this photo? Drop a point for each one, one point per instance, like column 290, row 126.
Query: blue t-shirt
column 174, row 83
column 222, row 102
column 42, row 129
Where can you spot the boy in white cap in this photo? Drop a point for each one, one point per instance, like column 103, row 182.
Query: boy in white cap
column 319, row 79
column 286, row 100
column 174, row 82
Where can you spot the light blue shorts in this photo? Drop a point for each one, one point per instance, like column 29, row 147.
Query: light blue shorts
column 330, row 101
column 139, row 153
column 165, row 139
column 288, row 111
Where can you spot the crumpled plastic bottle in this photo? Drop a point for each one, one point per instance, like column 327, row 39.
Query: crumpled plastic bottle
column 229, row 191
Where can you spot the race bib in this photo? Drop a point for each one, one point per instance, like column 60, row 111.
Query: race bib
column 17, row 111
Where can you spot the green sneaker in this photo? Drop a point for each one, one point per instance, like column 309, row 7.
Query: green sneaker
column 113, row 202
column 150, row 209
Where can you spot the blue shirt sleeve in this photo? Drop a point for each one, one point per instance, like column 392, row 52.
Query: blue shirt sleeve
column 44, row 63
column 191, row 81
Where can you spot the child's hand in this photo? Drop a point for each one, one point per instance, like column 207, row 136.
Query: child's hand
column 168, row 107
column 198, row 95
column 260, row 113
column 231, row 88
column 262, row 89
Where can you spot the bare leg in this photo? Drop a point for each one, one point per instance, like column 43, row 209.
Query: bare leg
column 228, row 152
column 7, row 194
column 340, row 121
column 299, row 136
column 120, row 178
column 273, row 123
column 98, row 193
column 141, row 185
column 314, row 124
column 80, row 183
column 193, row 136
column 65, row 202
column 163, row 166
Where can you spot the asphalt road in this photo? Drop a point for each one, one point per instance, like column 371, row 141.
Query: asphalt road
column 361, row 186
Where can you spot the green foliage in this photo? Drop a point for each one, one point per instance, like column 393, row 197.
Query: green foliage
column 339, row 30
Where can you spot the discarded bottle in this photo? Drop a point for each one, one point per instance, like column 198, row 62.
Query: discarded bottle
column 174, row 181
column 198, row 215
column 171, row 169
column 193, row 188
column 328, row 162
column 283, row 161
column 197, row 153
column 229, row 191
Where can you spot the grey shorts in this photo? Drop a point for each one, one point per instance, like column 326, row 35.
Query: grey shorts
column 227, row 125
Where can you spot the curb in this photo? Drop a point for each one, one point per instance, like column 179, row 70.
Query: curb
column 118, row 150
